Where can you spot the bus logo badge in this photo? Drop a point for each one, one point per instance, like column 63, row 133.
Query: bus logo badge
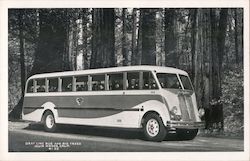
column 79, row 100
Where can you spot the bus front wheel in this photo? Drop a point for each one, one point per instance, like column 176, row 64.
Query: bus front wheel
column 153, row 128
column 49, row 122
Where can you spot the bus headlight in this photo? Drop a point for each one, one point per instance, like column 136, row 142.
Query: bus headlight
column 174, row 114
column 201, row 112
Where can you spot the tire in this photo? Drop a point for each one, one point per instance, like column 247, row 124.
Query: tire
column 186, row 134
column 153, row 128
column 49, row 122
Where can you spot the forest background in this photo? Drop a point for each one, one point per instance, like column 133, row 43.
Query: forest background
column 205, row 42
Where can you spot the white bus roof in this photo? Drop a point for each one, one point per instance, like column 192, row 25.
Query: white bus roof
column 157, row 69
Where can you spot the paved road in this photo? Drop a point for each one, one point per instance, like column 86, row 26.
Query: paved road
column 24, row 137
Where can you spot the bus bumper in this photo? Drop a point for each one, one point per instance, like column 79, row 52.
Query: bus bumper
column 185, row 124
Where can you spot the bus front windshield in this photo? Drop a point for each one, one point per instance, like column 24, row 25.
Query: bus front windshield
column 168, row 80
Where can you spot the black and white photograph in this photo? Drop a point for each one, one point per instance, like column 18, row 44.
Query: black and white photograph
column 127, row 78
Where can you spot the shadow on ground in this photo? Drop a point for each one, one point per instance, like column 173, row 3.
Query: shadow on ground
column 93, row 131
column 102, row 131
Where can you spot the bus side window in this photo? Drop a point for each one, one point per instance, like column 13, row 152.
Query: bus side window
column 148, row 81
column 116, row 81
column 82, row 83
column 98, row 82
column 53, row 84
column 133, row 80
column 146, row 77
column 40, row 85
column 30, row 88
column 66, row 84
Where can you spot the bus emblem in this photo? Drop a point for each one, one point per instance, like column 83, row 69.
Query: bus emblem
column 79, row 100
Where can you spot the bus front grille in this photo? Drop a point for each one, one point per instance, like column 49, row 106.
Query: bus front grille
column 186, row 107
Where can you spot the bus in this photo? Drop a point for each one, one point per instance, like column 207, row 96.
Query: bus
column 158, row 100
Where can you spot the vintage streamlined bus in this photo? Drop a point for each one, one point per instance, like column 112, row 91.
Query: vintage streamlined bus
column 159, row 100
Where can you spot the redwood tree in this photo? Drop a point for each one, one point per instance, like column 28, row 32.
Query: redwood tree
column 171, row 58
column 50, row 47
column 103, row 38
column 148, row 36
column 52, row 41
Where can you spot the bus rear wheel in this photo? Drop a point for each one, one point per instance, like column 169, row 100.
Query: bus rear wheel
column 49, row 122
column 153, row 128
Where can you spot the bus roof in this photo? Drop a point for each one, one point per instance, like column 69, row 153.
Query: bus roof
column 157, row 69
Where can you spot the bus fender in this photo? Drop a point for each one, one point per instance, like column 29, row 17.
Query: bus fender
column 50, row 106
column 158, row 108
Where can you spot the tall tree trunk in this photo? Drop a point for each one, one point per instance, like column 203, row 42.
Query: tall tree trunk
column 103, row 38
column 50, row 49
column 206, row 66
column 93, row 39
column 148, row 36
column 222, row 28
column 198, row 57
column 215, row 66
column 236, row 37
column 124, row 37
column 70, row 43
column 21, row 50
column 52, row 40
column 76, row 30
column 160, row 37
column 139, row 41
column 241, row 36
column 84, row 39
column 193, row 39
column 171, row 58
column 218, row 44
column 221, row 52
column 74, row 45
column 134, row 29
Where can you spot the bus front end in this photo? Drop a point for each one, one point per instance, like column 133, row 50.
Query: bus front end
column 180, row 100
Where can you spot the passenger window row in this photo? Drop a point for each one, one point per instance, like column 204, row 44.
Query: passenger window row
column 98, row 82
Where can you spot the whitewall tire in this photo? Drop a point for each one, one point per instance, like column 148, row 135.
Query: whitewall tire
column 153, row 128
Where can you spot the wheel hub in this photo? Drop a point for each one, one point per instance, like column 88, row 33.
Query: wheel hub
column 50, row 121
column 152, row 127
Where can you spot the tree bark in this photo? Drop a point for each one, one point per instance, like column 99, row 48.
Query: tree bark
column 236, row 37
column 193, row 39
column 75, row 44
column 148, row 36
column 52, row 41
column 50, row 48
column 70, row 47
column 134, row 29
column 84, row 39
column 21, row 50
column 171, row 58
column 222, row 28
column 139, row 41
column 218, row 30
column 124, row 37
column 103, row 38
column 221, row 52
column 198, row 57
